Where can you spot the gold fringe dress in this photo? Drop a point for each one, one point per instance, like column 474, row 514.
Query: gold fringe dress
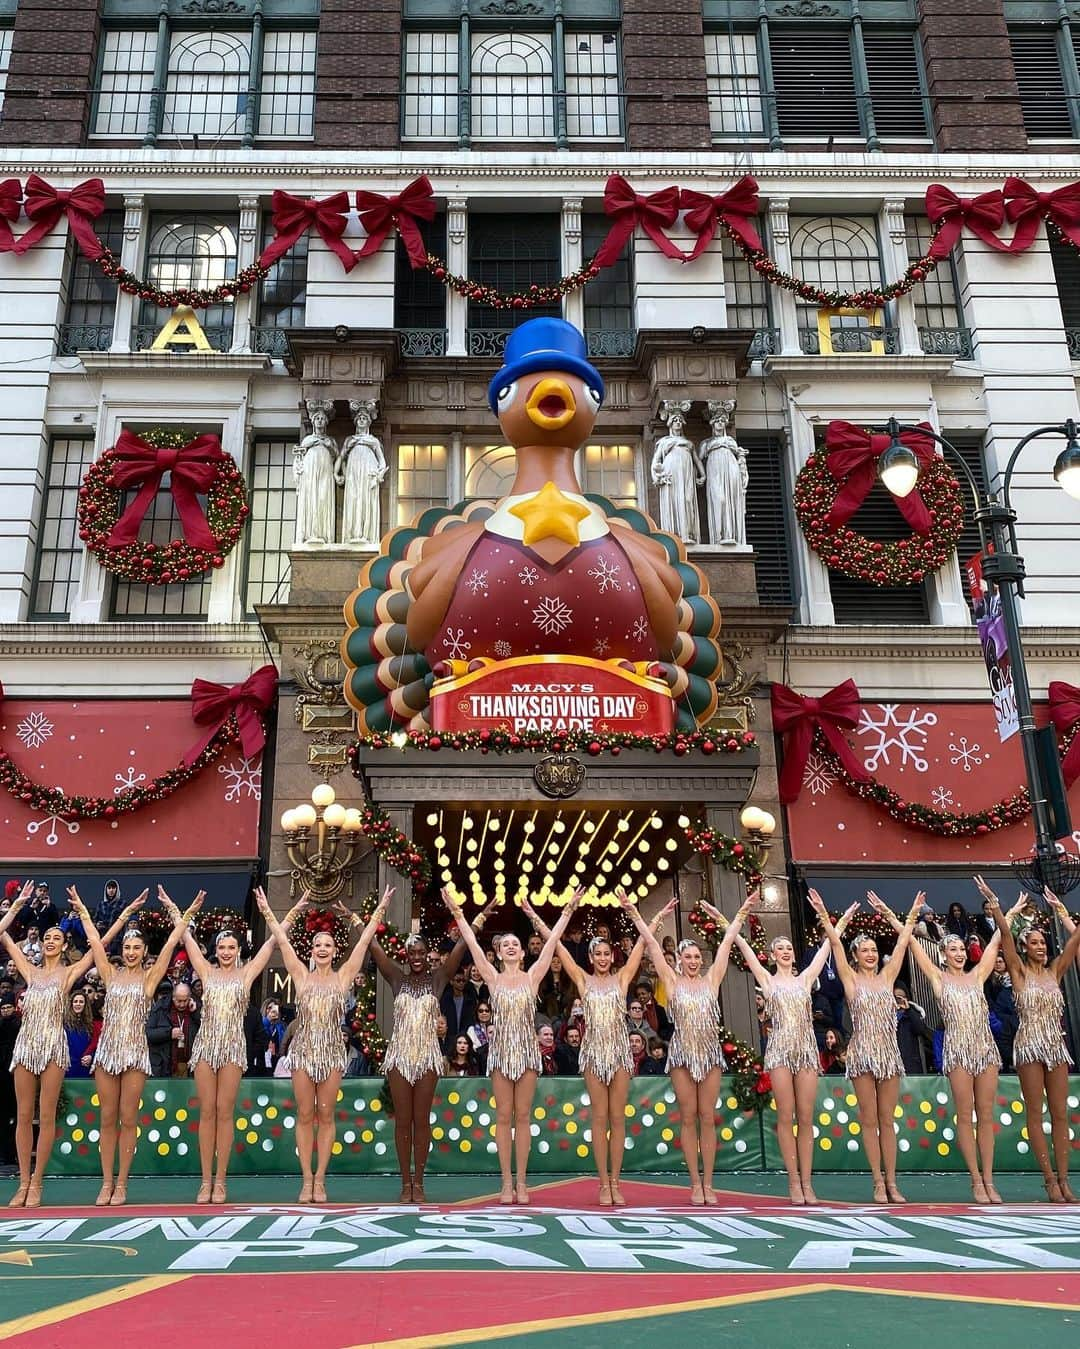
column 414, row 1047
column 513, row 1049
column 873, row 1047
column 122, row 1044
column 317, row 1046
column 791, row 1043
column 220, row 1037
column 42, row 1039
column 695, row 1042
column 605, row 1045
column 1040, row 1038
column 966, row 1016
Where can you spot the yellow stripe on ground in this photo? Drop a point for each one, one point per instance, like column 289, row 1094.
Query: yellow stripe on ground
column 23, row 1325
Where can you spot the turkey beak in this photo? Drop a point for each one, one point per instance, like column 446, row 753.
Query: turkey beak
column 550, row 404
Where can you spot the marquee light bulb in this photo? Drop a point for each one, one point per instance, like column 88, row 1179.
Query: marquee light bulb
column 433, row 818
column 589, row 827
column 526, row 867
column 528, row 826
column 526, row 850
column 500, row 847
column 607, row 867
column 444, row 859
column 662, row 864
column 684, row 821
column 623, row 826
column 559, row 827
column 613, row 848
column 440, row 841
column 635, row 864
column 651, row 879
column 644, row 845
column 466, row 822
column 471, row 845
column 672, row 844
column 499, row 864
column 494, row 824
column 656, row 822
column 554, row 849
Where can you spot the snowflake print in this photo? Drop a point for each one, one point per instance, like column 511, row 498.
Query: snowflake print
column 503, row 650
column 456, row 646
column 639, row 631
column 34, row 729
column 967, row 756
column 943, row 798
column 551, row 616
column 477, row 582
column 817, row 775
column 52, row 838
column 528, row 576
column 128, row 780
column 905, row 732
column 242, row 779
column 606, row 574
column 601, row 646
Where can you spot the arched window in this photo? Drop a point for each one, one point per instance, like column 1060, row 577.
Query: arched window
column 489, row 471
column 207, row 84
column 512, row 89
column 836, row 253
column 194, row 251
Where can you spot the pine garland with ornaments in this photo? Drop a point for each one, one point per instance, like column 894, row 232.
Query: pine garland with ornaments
column 748, row 1082
column 500, row 741
column 208, row 924
column 479, row 292
column 395, row 848
column 200, row 298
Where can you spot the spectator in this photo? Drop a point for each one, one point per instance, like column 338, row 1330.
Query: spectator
column 568, row 1052
column 912, row 1033
column 533, row 947
column 184, row 1020
column 274, row 1028
column 461, row 1061
column 655, row 1016
column 576, row 1017
column 827, row 984
column 1004, row 1019
column 929, row 925
column 545, row 1039
column 984, row 925
column 764, row 1025
column 958, row 920
column 574, row 941
column 159, row 1031
column 833, row 1053
column 477, row 985
column 9, row 1028
column 440, row 1030
column 110, row 906
column 79, row 1025
column 357, row 1064
column 638, row 1050
column 257, row 1042
column 821, row 1012
column 458, row 1005
column 654, row 1064
column 556, row 991
column 71, row 926
column 635, row 1019
column 479, row 1034
column 31, row 947
column 41, row 912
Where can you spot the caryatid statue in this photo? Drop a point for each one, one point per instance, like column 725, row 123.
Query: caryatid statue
column 675, row 470
column 361, row 468
column 313, row 468
column 726, row 476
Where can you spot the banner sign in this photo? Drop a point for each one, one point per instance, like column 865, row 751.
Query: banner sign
column 986, row 605
column 552, row 693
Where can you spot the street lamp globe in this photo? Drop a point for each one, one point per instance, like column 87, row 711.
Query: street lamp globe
column 898, row 468
column 1067, row 469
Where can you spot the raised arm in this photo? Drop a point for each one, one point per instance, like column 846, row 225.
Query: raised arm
column 985, row 967
column 76, row 970
column 448, row 969
column 543, row 960
column 818, row 963
column 929, row 967
column 843, row 966
column 655, row 950
column 756, row 968
column 298, row 971
column 390, row 970
column 488, row 972
column 259, row 961
column 718, row 968
column 16, row 904
column 1069, row 951
column 1013, row 963
column 156, row 972
column 97, row 949
column 628, row 973
column 199, row 962
column 570, row 965
column 351, row 967
column 903, row 940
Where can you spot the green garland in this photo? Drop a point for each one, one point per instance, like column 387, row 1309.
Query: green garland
column 499, row 741
column 395, row 848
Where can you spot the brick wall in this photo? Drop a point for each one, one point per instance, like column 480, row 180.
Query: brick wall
column 664, row 75
column 970, row 76
column 53, row 51
column 359, row 74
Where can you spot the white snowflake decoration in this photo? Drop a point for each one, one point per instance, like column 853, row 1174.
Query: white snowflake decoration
column 128, row 780
column 528, row 576
column 639, row 631
column 456, row 646
column 52, row 838
column 967, row 756
column 242, row 779
column 904, row 730
column 552, row 616
column 817, row 776
column 477, row 582
column 606, row 574
column 601, row 646
column 34, row 729
column 503, row 650
column 943, row 798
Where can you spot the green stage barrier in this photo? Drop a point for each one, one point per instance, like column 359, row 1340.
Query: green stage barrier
column 463, row 1128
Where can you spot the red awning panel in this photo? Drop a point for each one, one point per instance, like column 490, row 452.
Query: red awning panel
column 945, row 755
column 102, row 747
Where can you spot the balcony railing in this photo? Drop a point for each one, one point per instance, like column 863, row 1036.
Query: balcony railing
column 852, row 341
column 489, row 342
column 1072, row 337
column 611, row 341
column 142, row 337
column 947, row 342
column 422, row 341
column 75, row 337
column 270, row 342
column 765, row 342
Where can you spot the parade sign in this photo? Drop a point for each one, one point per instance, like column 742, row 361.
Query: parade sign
column 986, row 606
column 553, row 693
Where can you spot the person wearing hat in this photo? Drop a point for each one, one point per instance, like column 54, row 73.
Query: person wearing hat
column 41, row 912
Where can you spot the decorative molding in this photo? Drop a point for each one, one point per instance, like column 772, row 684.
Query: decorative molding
column 213, row 7
column 512, row 8
column 806, row 9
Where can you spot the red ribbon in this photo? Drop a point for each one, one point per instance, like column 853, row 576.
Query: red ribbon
column 1065, row 713
column 1027, row 207
column 737, row 208
column 10, row 206
column 653, row 213
column 192, row 469
column 852, row 458
column 982, row 215
column 292, row 217
column 213, row 704
column 799, row 718
column 379, row 214
column 45, row 205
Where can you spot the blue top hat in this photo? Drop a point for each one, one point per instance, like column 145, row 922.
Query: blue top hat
column 545, row 344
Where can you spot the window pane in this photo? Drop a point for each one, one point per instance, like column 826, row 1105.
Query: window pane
column 512, row 253
column 895, row 87
column 59, row 553
column 835, row 253
column 489, row 470
column 592, row 86
column 512, row 91
column 206, row 89
column 731, row 69
column 814, row 83
column 1066, row 262
column 747, row 293
column 430, row 92
column 1042, row 88
column 768, row 522
column 609, row 298
column 421, row 480
column 287, row 94
column 91, row 307
column 272, row 498
column 195, row 251
column 283, row 295
column 127, row 77
column 608, row 471
column 5, row 58
column 936, row 305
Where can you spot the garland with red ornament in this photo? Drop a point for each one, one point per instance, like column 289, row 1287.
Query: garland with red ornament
column 479, row 292
column 727, row 852
column 210, row 923
column 749, row 1083
column 225, row 292
column 395, row 848
column 500, row 741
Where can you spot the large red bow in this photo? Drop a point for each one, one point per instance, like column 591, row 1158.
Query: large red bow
column 191, row 469
column 654, row 213
column 1027, row 207
column 379, row 214
column 10, row 206
column 44, row 205
column 213, row 704
column 1065, row 714
column 982, row 215
column 293, row 216
column 852, row 457
column 799, row 718
column 737, row 208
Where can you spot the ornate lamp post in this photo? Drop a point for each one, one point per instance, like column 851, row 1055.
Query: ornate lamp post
column 322, row 860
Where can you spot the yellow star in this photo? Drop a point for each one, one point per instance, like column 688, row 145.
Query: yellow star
column 550, row 515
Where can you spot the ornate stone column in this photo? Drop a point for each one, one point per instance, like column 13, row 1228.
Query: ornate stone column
column 457, row 259
column 574, row 303
column 894, row 235
column 134, row 230
column 243, row 305
column 785, row 313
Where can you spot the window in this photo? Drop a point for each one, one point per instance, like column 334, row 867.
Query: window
column 58, row 565
column 282, row 296
column 592, row 86
column 272, row 498
column 196, row 251
column 937, row 307
column 748, row 298
column 609, row 298
column 430, row 92
column 837, row 253
column 420, row 299
column 1066, row 262
column 287, row 95
column 5, row 58
column 91, row 305
column 511, row 252
column 611, row 471
column 1044, row 98
column 207, row 84
column 814, row 83
column 422, row 480
column 489, row 471
column 767, row 517
column 127, row 77
column 512, row 90
column 970, row 448
column 731, row 70
column 895, row 84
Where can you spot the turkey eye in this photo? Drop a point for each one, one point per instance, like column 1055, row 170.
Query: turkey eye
column 505, row 394
column 594, row 397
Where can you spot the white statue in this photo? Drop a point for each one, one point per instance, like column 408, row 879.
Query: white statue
column 726, row 477
column 313, row 467
column 675, row 471
column 361, row 468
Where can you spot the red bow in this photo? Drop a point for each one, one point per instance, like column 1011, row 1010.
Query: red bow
column 654, row 213
column 44, row 205
column 379, row 214
column 191, row 469
column 213, row 704
column 799, row 718
column 10, row 199
column 852, row 459
column 293, row 216
column 1027, row 207
column 1065, row 713
column 737, row 208
column 982, row 215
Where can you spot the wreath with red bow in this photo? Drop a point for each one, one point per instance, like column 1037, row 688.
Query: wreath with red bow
column 196, row 468
column 831, row 487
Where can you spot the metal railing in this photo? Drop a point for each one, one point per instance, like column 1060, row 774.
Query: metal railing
column 852, row 341
column 142, row 337
column 1072, row 338
column 947, row 342
column 269, row 342
column 76, row 337
column 422, row 341
column 765, row 342
column 489, row 342
column 611, row 341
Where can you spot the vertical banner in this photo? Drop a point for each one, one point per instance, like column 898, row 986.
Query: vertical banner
column 986, row 606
